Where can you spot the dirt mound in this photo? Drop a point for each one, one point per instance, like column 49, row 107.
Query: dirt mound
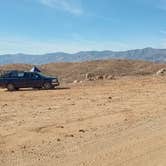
column 68, row 72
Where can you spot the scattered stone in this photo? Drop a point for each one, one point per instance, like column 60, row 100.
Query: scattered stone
column 62, row 127
column 58, row 140
column 110, row 77
column 110, row 97
column 23, row 147
column 99, row 77
column 82, row 131
column 161, row 72
column 76, row 81
column 69, row 135
column 12, row 151
column 90, row 76
column 4, row 105
column 93, row 77
column 105, row 76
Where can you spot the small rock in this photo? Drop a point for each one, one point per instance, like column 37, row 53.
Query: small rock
column 90, row 76
column 82, row 131
column 23, row 147
column 58, row 139
column 76, row 81
column 69, row 135
column 161, row 72
column 110, row 77
column 62, row 127
column 99, row 77
column 12, row 151
column 4, row 105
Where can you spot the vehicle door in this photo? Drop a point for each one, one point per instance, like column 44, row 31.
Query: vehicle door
column 36, row 80
column 27, row 79
column 17, row 78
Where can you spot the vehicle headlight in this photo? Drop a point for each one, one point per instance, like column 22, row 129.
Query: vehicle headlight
column 55, row 80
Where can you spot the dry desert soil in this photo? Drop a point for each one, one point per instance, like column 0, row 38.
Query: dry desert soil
column 119, row 122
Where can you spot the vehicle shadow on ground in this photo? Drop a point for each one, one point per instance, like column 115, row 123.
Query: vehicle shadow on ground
column 30, row 89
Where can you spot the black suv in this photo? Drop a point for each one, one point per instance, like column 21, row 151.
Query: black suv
column 13, row 80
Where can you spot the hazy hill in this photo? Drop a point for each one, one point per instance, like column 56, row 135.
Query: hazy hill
column 68, row 72
column 148, row 54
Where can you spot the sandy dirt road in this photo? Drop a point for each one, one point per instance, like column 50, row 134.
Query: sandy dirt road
column 116, row 123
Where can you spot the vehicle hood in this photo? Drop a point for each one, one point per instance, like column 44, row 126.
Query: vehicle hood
column 52, row 78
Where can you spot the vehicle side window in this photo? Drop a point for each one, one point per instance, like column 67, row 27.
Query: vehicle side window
column 20, row 75
column 13, row 74
column 4, row 75
column 35, row 76
column 16, row 74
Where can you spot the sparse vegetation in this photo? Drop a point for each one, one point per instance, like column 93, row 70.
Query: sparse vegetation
column 68, row 72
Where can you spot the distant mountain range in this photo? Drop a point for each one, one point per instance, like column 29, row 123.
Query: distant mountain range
column 147, row 54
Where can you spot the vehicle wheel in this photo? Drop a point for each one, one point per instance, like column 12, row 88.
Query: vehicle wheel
column 10, row 87
column 47, row 85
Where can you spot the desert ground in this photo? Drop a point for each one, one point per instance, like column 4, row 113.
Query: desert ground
column 119, row 122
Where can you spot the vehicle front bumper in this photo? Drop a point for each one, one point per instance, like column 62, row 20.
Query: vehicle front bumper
column 55, row 83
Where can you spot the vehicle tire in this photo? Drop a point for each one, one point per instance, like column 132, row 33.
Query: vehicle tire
column 47, row 86
column 10, row 87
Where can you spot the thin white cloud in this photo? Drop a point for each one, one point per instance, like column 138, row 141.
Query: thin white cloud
column 71, row 6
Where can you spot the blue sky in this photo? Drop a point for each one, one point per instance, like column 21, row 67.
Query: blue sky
column 41, row 26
